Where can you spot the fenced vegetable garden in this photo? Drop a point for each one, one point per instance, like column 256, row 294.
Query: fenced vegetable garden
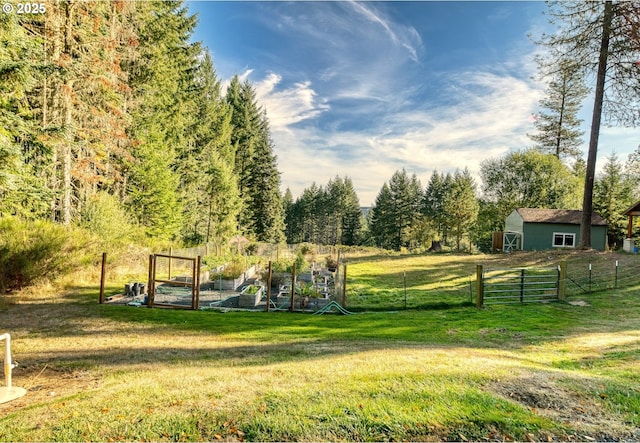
column 374, row 280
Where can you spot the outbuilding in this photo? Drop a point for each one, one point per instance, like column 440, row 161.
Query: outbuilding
column 533, row 229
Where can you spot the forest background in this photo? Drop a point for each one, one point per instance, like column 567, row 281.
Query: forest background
column 115, row 122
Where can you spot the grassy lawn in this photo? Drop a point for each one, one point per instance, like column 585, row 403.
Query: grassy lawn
column 534, row 372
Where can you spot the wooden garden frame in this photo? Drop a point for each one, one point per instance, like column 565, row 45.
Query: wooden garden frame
column 194, row 285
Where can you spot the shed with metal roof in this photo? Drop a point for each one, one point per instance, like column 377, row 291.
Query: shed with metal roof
column 533, row 229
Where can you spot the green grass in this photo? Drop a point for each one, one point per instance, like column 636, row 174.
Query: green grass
column 524, row 372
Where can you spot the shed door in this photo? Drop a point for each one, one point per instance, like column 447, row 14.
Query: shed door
column 511, row 241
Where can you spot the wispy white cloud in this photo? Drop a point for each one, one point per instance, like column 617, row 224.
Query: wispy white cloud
column 405, row 36
column 488, row 116
column 286, row 107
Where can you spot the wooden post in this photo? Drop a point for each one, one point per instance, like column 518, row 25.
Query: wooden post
column 193, row 284
column 170, row 254
column 269, row 286
column 152, row 276
column 103, row 276
column 293, row 286
column 198, row 264
column 404, row 278
column 562, row 281
column 344, row 285
column 337, row 277
column 479, row 287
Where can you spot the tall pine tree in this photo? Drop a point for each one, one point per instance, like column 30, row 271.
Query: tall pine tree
column 557, row 125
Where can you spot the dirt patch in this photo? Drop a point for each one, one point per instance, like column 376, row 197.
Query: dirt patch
column 545, row 395
column 44, row 384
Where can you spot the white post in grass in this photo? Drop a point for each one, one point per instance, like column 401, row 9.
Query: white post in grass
column 9, row 392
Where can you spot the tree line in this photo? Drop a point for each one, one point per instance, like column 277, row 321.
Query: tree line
column 112, row 119
column 110, row 114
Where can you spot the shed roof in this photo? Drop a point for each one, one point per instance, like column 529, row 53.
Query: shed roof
column 559, row 216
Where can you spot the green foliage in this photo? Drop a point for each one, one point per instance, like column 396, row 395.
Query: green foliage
column 396, row 207
column 558, row 127
column 461, row 205
column 326, row 215
column 104, row 214
column 612, row 195
column 37, row 251
column 300, row 262
column 528, row 179
column 233, row 270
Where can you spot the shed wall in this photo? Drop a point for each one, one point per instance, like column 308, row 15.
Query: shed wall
column 513, row 222
column 539, row 236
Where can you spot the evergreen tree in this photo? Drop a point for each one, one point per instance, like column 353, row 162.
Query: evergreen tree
column 612, row 195
column 351, row 216
column 558, row 125
column 288, row 207
column 21, row 186
column 160, row 77
column 209, row 194
column 264, row 212
column 461, row 205
column 381, row 223
column 397, row 206
column 245, row 121
column 600, row 38
column 632, row 169
column 433, row 202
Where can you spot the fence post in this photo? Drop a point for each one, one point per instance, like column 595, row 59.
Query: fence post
column 562, row 280
column 590, row 277
column 479, row 287
column 198, row 265
column 615, row 284
column 344, row 285
column 404, row 275
column 103, row 276
column 152, row 277
column 269, row 286
column 293, row 286
column 522, row 285
column 170, row 255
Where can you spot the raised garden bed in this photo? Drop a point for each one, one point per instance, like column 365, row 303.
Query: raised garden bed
column 250, row 296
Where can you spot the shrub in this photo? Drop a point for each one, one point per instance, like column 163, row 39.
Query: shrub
column 104, row 214
column 233, row 270
column 331, row 262
column 40, row 250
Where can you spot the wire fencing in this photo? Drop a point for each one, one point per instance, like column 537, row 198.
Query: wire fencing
column 585, row 278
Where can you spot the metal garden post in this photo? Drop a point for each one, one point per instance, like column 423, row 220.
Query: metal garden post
column 615, row 285
column 522, row 285
column 293, row 286
column 269, row 286
column 562, row 280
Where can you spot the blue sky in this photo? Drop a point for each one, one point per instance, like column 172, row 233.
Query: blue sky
column 364, row 89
